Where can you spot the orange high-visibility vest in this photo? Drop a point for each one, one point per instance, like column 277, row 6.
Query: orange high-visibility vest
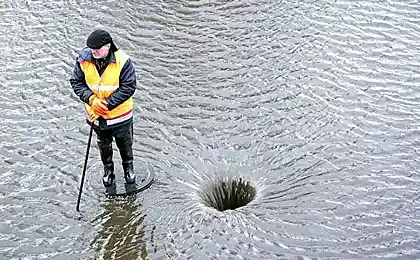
column 103, row 86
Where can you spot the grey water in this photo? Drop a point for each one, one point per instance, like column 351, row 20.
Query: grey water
column 317, row 103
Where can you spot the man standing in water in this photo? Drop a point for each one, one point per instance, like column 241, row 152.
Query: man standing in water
column 104, row 79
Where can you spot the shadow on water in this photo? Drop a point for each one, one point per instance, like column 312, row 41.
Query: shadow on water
column 121, row 230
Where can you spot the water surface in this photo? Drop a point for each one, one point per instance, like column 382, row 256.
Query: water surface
column 315, row 102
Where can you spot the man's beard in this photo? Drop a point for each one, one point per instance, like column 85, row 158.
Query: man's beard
column 96, row 57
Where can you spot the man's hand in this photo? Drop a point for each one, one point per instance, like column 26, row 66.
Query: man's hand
column 94, row 118
column 98, row 105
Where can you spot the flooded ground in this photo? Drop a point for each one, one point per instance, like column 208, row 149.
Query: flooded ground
column 317, row 103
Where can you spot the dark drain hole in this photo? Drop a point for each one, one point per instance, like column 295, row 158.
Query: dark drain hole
column 228, row 193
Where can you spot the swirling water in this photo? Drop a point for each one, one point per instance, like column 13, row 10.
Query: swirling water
column 316, row 102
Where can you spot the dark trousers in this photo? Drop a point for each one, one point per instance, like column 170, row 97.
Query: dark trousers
column 123, row 136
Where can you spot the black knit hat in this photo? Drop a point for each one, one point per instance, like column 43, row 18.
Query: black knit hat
column 98, row 38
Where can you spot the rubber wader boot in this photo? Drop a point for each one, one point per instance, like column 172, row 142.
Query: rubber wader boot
column 129, row 175
column 127, row 162
column 106, row 157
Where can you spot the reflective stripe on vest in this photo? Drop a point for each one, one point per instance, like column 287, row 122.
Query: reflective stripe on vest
column 103, row 86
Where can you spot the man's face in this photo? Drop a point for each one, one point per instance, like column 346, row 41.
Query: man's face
column 101, row 52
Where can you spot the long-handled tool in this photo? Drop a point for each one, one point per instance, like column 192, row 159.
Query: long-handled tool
column 85, row 166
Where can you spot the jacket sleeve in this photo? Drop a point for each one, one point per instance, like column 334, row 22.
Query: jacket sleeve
column 126, row 88
column 78, row 83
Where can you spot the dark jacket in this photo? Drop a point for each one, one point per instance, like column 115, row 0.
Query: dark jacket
column 124, row 91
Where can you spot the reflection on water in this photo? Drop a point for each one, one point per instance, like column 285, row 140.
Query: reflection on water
column 121, row 234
